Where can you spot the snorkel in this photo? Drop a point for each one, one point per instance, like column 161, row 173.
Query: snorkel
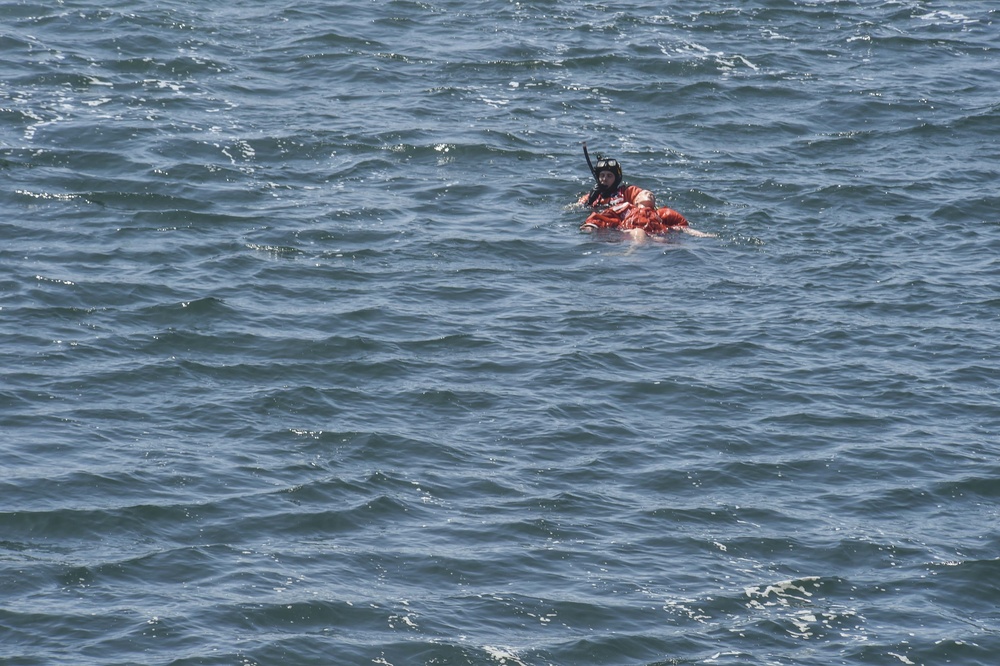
column 591, row 164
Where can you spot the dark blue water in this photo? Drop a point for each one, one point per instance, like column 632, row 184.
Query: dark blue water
column 305, row 361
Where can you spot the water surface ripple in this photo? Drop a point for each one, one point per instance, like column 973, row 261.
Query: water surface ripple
column 306, row 362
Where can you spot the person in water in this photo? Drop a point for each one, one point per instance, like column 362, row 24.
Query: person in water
column 628, row 208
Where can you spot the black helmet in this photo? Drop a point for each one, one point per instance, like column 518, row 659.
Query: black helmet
column 608, row 164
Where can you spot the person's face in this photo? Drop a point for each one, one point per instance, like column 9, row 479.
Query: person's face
column 606, row 178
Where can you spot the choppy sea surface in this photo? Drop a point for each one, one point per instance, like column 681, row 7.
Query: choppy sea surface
column 305, row 360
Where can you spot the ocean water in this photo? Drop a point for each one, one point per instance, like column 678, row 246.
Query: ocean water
column 305, row 360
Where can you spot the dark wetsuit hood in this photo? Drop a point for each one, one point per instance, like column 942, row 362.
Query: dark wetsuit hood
column 605, row 164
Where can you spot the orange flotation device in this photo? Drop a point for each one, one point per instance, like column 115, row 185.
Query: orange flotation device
column 658, row 221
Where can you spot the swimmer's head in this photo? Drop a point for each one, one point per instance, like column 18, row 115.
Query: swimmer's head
column 608, row 173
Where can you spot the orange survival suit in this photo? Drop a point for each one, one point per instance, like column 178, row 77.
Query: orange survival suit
column 618, row 210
